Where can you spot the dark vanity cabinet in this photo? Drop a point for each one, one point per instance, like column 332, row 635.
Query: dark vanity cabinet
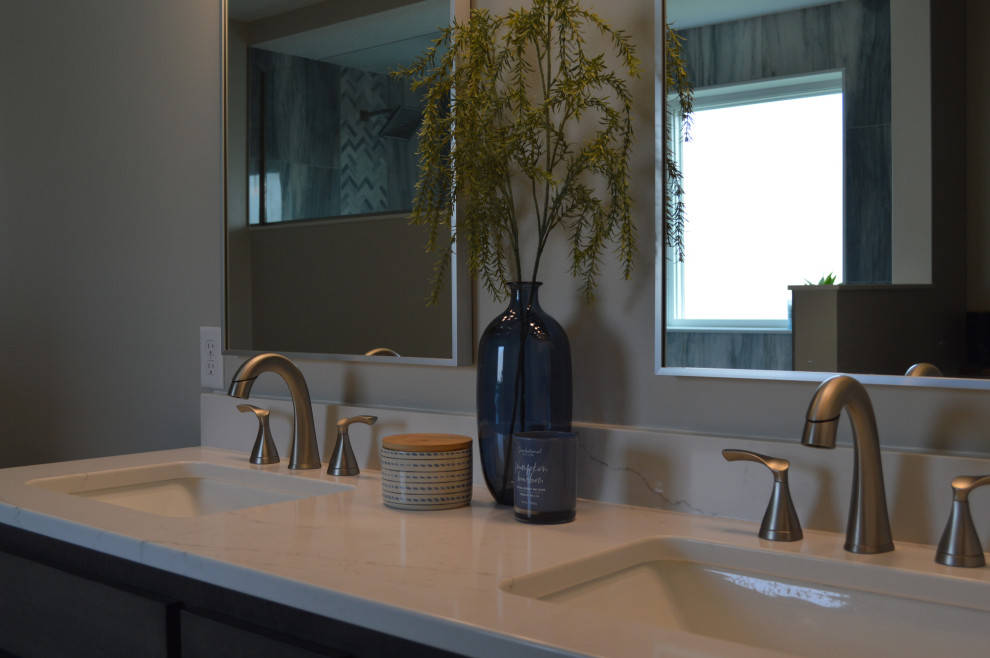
column 57, row 599
column 46, row 611
column 207, row 635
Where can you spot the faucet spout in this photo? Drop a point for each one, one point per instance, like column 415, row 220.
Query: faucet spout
column 868, row 527
column 303, row 450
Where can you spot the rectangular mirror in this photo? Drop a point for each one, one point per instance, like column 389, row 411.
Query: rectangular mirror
column 321, row 163
column 824, row 177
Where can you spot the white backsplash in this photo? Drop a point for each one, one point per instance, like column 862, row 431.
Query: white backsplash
column 678, row 471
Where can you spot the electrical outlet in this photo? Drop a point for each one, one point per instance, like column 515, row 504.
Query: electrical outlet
column 210, row 358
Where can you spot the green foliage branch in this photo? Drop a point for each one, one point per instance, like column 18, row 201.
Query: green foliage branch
column 502, row 97
column 677, row 83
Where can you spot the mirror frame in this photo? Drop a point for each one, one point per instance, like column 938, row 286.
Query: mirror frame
column 948, row 182
column 461, row 339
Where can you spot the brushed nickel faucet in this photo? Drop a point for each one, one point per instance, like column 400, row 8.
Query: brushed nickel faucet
column 868, row 528
column 303, row 451
column 923, row 370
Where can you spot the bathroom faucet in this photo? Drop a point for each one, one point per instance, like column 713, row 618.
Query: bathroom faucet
column 868, row 528
column 303, row 451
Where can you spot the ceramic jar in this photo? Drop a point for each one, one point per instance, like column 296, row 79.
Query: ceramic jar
column 426, row 471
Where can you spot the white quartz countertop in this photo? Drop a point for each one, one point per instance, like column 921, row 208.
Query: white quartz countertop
column 431, row 577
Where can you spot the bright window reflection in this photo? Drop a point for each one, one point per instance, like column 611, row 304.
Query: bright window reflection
column 273, row 194
column 763, row 195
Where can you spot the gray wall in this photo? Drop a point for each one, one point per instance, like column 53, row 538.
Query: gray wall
column 109, row 235
column 298, row 304
column 110, row 238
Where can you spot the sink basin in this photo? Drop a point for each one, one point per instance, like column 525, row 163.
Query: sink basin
column 189, row 488
column 778, row 601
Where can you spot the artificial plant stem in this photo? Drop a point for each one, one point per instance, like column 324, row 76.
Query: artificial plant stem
column 513, row 226
column 519, row 390
column 539, row 253
column 547, row 130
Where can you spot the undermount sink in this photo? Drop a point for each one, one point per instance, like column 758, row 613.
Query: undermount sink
column 189, row 488
column 799, row 604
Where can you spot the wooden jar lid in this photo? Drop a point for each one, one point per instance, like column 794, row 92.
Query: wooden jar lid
column 426, row 442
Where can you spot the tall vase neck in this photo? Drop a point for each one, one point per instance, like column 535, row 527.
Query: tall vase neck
column 524, row 293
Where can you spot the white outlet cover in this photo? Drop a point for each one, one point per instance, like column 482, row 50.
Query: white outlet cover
column 210, row 358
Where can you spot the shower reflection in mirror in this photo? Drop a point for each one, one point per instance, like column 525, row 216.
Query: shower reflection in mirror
column 326, row 140
column 321, row 165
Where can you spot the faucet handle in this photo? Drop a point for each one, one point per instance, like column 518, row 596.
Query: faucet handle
column 343, row 461
column 960, row 545
column 780, row 522
column 776, row 465
column 344, row 423
column 264, row 451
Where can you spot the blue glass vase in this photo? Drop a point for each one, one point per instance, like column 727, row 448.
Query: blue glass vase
column 524, row 383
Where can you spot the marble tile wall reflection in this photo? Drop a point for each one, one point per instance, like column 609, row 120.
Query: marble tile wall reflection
column 311, row 155
column 376, row 171
column 751, row 350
